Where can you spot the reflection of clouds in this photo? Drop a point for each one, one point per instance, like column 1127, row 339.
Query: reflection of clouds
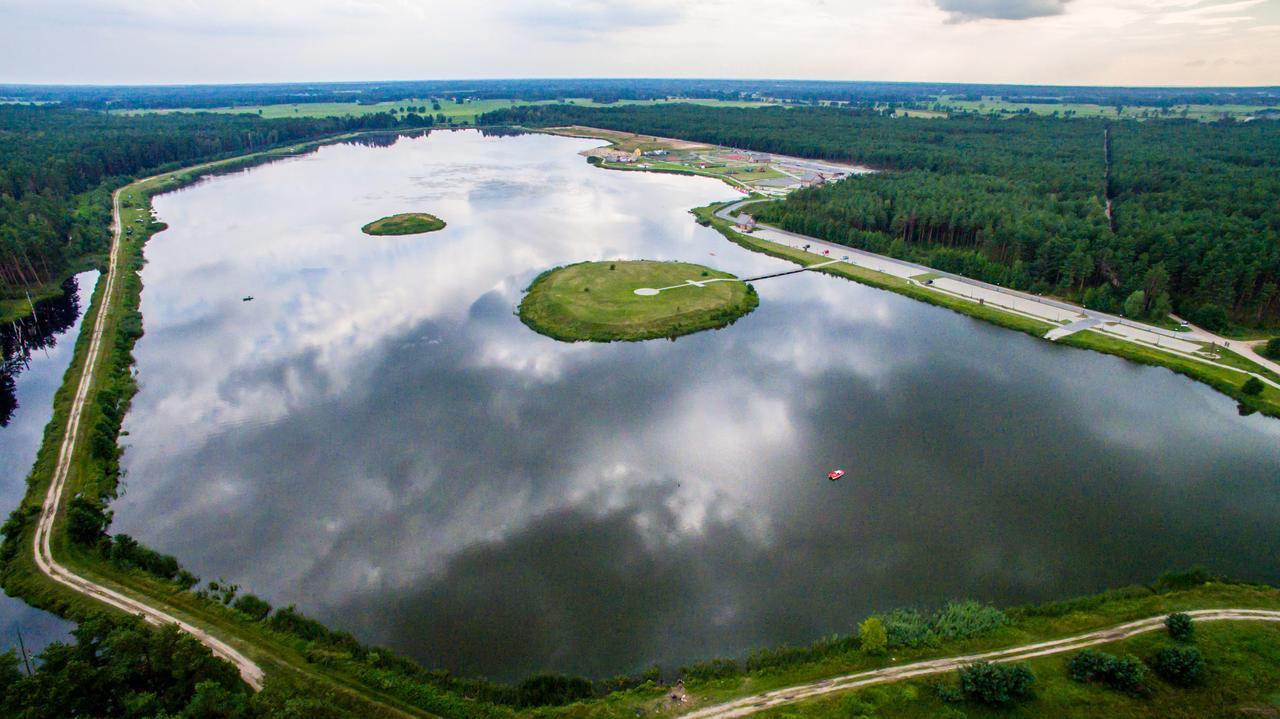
column 396, row 452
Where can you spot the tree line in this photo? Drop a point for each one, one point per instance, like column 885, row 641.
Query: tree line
column 59, row 165
column 1022, row 202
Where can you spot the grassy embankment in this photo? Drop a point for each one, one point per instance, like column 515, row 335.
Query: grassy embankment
column 596, row 302
column 1242, row 679
column 1223, row 379
column 841, row 654
column 405, row 223
column 289, row 659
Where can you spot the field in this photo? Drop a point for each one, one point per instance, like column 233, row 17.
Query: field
column 1204, row 113
column 464, row 113
column 596, row 301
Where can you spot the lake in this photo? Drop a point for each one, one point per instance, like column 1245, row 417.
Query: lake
column 376, row 437
column 36, row 352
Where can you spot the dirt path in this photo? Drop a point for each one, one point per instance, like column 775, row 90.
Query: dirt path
column 800, row 692
column 249, row 671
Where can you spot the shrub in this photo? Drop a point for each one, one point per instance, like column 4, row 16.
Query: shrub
column 1128, row 674
column 1090, row 665
column 1180, row 626
column 907, row 628
column 873, row 636
column 552, row 690
column 255, row 607
column 955, row 620
column 1182, row 666
column 87, row 520
column 1179, row 580
column 1272, row 348
column 1252, row 387
column 962, row 620
column 996, row 684
column 712, row 669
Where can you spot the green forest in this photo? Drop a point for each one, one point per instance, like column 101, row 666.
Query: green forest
column 58, row 167
column 1022, row 202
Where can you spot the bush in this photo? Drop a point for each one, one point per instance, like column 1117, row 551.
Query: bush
column 996, row 684
column 87, row 520
column 1272, row 348
column 955, row 620
column 1182, row 666
column 1180, row 626
column 712, row 669
column 255, row 607
column 1252, row 387
column 1090, row 665
column 962, row 620
column 907, row 628
column 552, row 690
column 873, row 637
column 1128, row 675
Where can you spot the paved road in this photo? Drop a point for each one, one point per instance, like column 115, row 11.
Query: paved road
column 1074, row 327
column 249, row 671
column 1044, row 308
column 800, row 692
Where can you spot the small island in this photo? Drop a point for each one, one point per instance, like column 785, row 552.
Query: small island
column 405, row 223
column 633, row 300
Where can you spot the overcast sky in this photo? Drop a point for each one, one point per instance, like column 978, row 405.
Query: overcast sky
column 1095, row 42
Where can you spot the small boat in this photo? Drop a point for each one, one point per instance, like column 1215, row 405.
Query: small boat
column 835, row 474
column 247, row 298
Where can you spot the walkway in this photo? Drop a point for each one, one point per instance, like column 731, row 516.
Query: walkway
column 800, row 692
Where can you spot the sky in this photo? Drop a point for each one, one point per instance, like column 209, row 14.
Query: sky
column 1087, row 42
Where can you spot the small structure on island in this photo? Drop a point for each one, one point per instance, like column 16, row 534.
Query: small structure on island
column 746, row 223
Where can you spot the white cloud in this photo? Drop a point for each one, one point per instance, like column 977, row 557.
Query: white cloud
column 1034, row 41
column 964, row 10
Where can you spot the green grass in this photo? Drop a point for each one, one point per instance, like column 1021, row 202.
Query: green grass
column 1029, row 624
column 595, row 301
column 1222, row 379
column 405, row 223
column 1010, row 320
column 1242, row 679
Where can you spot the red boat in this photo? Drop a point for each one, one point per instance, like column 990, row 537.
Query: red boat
column 836, row 474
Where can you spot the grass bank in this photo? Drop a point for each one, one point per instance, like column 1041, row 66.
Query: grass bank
column 596, row 301
column 405, row 223
column 288, row 655
column 1241, row 679
column 1223, row 379
column 716, row 681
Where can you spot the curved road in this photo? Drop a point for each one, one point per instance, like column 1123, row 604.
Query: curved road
column 800, row 692
column 249, row 671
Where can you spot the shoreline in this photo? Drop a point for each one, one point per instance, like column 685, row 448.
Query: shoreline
column 1226, row 378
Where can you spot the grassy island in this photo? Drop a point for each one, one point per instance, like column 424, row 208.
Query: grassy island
column 599, row 302
column 405, row 223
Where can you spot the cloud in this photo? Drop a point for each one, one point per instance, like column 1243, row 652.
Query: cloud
column 584, row 19
column 966, row 10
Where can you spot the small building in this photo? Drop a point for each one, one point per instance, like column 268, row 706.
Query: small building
column 746, row 223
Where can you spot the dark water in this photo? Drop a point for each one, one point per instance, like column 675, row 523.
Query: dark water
column 378, row 439
column 36, row 353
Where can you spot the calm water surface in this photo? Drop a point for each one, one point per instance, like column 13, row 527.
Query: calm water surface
column 378, row 439
column 36, row 353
